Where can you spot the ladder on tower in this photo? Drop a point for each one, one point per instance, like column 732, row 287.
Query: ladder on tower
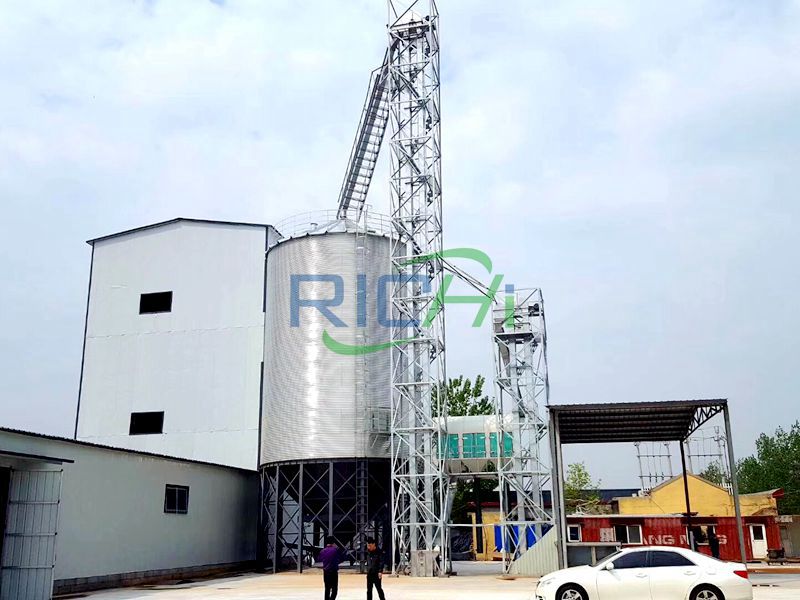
column 362, row 511
column 367, row 145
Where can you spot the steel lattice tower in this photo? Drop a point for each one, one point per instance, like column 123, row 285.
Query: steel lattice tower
column 522, row 391
column 418, row 414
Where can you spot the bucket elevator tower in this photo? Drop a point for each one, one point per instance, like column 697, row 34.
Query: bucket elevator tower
column 521, row 391
column 418, row 411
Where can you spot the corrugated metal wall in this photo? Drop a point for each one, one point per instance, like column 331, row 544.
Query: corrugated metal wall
column 29, row 544
column 540, row 559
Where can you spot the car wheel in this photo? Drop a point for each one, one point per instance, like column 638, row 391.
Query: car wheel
column 571, row 592
column 707, row 592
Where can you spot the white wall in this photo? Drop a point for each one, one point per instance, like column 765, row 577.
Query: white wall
column 200, row 363
column 112, row 520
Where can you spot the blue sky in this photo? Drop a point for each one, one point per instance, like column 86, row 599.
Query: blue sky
column 638, row 161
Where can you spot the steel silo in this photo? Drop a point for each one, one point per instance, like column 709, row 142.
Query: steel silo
column 324, row 453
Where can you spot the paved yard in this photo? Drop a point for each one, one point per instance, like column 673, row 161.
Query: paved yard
column 308, row 586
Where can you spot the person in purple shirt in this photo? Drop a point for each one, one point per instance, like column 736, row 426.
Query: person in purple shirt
column 330, row 557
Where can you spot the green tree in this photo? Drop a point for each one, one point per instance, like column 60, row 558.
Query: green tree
column 581, row 492
column 466, row 399
column 776, row 464
column 716, row 474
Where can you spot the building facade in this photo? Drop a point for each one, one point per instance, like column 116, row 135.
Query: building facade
column 658, row 517
column 592, row 537
column 79, row 516
column 173, row 347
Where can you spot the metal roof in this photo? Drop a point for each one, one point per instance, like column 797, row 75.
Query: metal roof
column 673, row 420
column 36, row 457
column 170, row 222
column 57, row 438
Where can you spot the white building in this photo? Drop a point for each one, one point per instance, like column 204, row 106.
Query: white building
column 173, row 348
column 76, row 516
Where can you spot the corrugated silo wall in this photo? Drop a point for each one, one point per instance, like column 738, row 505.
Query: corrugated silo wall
column 324, row 454
column 317, row 403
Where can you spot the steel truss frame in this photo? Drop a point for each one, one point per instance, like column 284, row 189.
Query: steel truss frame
column 304, row 502
column 418, row 413
column 521, row 391
column 655, row 463
column 703, row 415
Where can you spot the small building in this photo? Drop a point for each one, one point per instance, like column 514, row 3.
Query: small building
column 658, row 517
column 706, row 499
column 592, row 537
column 77, row 516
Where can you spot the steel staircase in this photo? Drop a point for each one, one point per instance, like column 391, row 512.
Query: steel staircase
column 367, row 145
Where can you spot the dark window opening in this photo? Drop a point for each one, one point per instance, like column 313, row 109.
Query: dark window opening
column 144, row 423
column 574, row 533
column 158, row 302
column 628, row 534
column 176, row 499
column 701, row 533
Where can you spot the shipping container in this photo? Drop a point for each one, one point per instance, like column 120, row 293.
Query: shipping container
column 761, row 533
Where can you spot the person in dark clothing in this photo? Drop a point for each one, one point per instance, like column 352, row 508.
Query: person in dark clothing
column 374, row 569
column 330, row 557
column 713, row 543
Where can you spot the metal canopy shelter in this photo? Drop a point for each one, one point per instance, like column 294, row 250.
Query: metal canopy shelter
column 627, row 422
column 634, row 421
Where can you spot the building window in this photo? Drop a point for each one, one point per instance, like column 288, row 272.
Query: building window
column 452, row 441
column 508, row 445
column 158, row 302
column 468, row 440
column 757, row 532
column 574, row 533
column 628, row 534
column 493, row 445
column 474, row 445
column 145, row 423
column 176, row 499
column 701, row 533
column 480, row 445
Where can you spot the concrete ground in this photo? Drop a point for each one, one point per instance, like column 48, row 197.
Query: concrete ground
column 308, row 586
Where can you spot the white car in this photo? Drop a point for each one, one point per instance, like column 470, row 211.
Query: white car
column 650, row 573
